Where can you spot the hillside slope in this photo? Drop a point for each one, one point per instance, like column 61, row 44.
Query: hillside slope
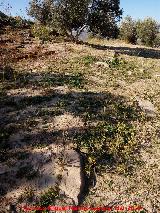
column 89, row 109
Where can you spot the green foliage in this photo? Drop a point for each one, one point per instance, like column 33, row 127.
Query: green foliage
column 111, row 140
column 19, row 22
column 49, row 197
column 87, row 60
column 74, row 81
column 41, row 32
column 4, row 19
column 72, row 15
column 114, row 142
column 42, row 11
column 64, row 15
column 117, row 62
column 147, row 31
column 128, row 30
column 127, row 70
column 68, row 15
column 103, row 17
column 77, row 81
column 16, row 22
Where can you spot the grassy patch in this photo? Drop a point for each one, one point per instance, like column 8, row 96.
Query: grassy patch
column 114, row 127
column 34, row 100
column 12, row 78
column 74, row 81
column 106, row 107
column 49, row 197
column 113, row 140
column 87, row 60
column 114, row 144
column 127, row 70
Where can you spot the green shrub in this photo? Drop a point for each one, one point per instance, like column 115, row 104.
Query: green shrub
column 89, row 59
column 113, row 142
column 128, row 30
column 147, row 31
column 41, row 32
column 157, row 41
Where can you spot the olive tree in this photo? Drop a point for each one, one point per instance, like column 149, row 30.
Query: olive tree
column 147, row 31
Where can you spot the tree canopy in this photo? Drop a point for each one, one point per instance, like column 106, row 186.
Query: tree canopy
column 100, row 16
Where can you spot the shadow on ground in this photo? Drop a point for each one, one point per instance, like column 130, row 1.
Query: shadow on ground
column 139, row 52
column 25, row 113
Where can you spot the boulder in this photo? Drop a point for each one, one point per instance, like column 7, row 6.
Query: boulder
column 72, row 182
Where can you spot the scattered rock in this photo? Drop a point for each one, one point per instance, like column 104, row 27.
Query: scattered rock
column 68, row 175
column 147, row 107
column 101, row 63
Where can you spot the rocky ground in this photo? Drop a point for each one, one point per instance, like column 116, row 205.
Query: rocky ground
column 79, row 124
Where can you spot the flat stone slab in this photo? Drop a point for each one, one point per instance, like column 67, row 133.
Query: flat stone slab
column 72, row 182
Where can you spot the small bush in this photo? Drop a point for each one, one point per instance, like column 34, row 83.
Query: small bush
column 115, row 143
column 128, row 30
column 87, row 60
column 147, row 31
column 41, row 32
column 117, row 63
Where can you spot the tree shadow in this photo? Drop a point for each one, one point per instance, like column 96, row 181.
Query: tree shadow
column 139, row 52
column 89, row 106
column 19, row 80
column 92, row 108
